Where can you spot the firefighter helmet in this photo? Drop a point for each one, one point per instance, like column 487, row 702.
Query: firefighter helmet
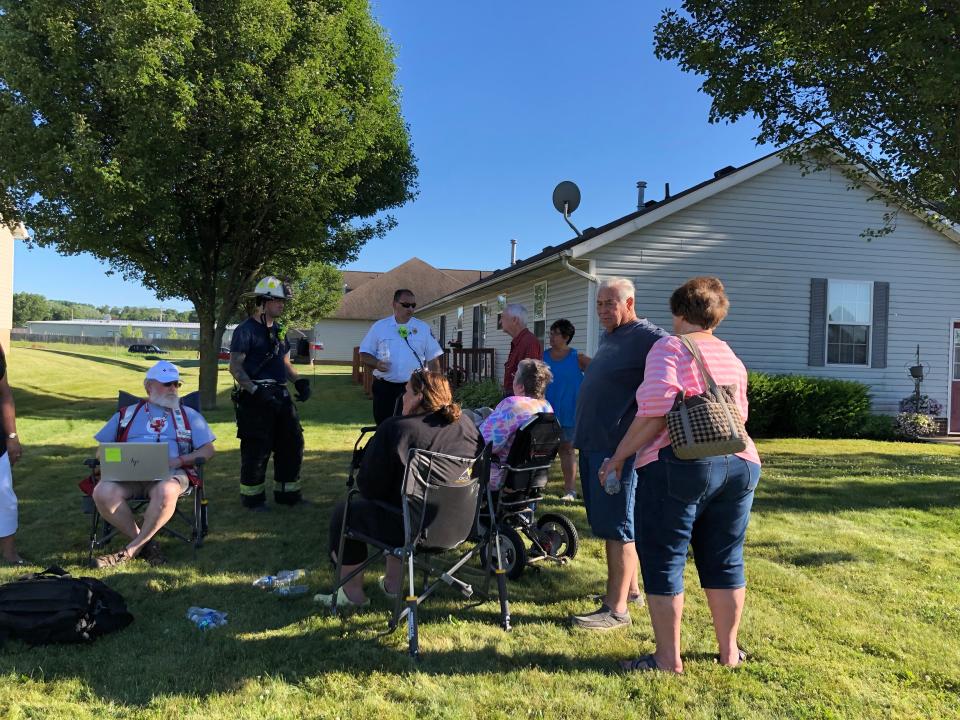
column 272, row 287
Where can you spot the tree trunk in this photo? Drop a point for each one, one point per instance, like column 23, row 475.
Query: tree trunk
column 210, row 337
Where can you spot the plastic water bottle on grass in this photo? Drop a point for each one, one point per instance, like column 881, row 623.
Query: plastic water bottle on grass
column 206, row 618
column 266, row 582
column 291, row 590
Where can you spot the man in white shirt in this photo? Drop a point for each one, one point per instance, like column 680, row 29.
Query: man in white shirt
column 394, row 347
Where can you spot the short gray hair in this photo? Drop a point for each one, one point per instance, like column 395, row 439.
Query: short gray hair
column 516, row 310
column 624, row 287
column 533, row 376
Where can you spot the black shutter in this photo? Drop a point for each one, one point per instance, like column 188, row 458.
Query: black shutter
column 816, row 350
column 881, row 322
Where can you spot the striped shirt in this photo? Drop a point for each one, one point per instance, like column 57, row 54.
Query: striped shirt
column 671, row 369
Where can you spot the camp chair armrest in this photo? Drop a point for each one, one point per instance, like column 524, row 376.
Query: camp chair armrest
column 91, row 463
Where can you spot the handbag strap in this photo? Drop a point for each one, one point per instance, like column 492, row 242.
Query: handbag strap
column 719, row 394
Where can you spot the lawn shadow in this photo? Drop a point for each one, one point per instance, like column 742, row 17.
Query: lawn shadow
column 115, row 362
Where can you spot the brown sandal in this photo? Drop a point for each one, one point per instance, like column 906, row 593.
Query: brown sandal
column 111, row 560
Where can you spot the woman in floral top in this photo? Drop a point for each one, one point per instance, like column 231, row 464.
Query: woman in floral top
column 500, row 427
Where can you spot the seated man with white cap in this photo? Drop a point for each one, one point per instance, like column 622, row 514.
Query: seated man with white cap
column 161, row 417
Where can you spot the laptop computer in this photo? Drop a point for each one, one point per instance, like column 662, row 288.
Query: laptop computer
column 134, row 462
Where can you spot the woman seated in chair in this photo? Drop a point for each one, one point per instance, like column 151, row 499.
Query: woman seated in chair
column 430, row 421
column 500, row 427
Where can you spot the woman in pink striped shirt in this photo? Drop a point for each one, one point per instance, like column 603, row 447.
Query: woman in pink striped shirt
column 701, row 503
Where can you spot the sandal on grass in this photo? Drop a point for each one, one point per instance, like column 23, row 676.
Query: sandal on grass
column 741, row 658
column 381, row 582
column 342, row 600
column 644, row 663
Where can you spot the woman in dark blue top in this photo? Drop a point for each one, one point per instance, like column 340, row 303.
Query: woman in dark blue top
column 567, row 366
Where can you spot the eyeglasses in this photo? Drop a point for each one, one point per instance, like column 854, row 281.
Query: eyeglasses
column 409, row 306
column 172, row 383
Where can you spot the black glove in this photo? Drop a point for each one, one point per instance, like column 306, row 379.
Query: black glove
column 303, row 389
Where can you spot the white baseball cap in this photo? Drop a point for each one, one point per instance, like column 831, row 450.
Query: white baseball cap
column 163, row 372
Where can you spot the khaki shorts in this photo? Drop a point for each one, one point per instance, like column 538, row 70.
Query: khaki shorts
column 142, row 489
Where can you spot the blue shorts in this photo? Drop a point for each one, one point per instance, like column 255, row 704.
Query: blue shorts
column 610, row 516
column 700, row 503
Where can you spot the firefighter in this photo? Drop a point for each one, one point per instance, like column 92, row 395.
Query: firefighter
column 267, row 420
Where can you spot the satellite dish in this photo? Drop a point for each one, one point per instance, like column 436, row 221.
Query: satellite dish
column 566, row 199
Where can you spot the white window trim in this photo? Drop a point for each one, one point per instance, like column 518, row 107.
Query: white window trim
column 827, row 324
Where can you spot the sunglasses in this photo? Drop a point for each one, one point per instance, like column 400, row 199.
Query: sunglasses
column 172, row 383
column 409, row 306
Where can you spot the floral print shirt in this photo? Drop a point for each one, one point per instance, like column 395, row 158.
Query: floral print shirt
column 500, row 428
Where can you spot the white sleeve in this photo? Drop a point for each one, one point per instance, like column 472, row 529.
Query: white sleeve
column 431, row 348
column 369, row 343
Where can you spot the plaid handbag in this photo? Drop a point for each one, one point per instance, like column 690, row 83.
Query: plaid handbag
column 708, row 424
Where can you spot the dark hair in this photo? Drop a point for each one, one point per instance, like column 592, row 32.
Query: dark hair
column 701, row 301
column 533, row 376
column 436, row 392
column 400, row 293
column 565, row 328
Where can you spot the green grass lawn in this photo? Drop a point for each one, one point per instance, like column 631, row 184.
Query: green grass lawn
column 853, row 607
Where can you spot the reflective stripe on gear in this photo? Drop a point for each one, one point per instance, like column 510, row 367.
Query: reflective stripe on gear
column 289, row 487
column 253, row 489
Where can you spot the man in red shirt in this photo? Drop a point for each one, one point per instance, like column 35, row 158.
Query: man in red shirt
column 524, row 344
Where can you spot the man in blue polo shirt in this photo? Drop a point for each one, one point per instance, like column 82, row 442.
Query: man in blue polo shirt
column 606, row 406
column 159, row 418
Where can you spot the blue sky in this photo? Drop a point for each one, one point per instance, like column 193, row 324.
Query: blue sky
column 504, row 100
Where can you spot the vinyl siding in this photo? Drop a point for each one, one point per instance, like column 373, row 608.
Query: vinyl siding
column 339, row 338
column 567, row 297
column 766, row 238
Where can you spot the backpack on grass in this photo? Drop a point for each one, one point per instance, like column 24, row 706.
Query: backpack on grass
column 53, row 607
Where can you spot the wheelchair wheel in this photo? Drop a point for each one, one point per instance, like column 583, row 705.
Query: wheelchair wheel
column 558, row 535
column 512, row 550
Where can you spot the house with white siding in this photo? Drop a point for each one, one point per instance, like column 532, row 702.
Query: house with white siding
column 367, row 297
column 809, row 294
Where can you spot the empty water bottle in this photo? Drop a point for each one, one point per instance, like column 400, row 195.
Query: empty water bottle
column 291, row 590
column 611, row 483
column 206, row 618
column 266, row 582
column 383, row 351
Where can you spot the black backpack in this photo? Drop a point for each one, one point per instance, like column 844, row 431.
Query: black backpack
column 53, row 607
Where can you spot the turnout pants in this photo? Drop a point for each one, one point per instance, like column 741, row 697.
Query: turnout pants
column 385, row 396
column 269, row 426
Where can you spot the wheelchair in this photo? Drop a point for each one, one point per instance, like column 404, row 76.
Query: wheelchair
column 192, row 524
column 440, row 504
column 553, row 537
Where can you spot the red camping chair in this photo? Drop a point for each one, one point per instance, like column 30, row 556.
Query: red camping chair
column 101, row 532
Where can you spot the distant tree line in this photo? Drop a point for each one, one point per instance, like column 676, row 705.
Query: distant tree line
column 31, row 306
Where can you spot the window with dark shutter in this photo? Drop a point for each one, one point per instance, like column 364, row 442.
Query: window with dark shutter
column 849, row 322
column 881, row 316
column 816, row 353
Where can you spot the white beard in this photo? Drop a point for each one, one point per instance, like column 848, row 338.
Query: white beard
column 164, row 400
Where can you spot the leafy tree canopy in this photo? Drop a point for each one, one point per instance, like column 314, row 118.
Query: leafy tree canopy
column 192, row 144
column 29, row 306
column 876, row 82
column 317, row 291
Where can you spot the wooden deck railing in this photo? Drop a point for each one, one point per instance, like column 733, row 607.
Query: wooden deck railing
column 460, row 364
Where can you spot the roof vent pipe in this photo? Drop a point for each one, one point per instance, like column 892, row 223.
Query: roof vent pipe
column 513, row 252
column 641, row 185
column 666, row 191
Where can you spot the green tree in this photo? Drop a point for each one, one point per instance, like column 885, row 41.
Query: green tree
column 29, row 306
column 875, row 83
column 173, row 334
column 131, row 332
column 193, row 144
column 317, row 291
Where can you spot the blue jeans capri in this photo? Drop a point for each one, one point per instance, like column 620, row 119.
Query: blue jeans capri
column 700, row 503
column 610, row 516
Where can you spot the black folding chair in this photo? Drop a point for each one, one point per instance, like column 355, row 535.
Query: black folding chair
column 440, row 509
column 195, row 522
column 526, row 472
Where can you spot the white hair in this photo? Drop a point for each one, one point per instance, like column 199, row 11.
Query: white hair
column 624, row 287
column 516, row 310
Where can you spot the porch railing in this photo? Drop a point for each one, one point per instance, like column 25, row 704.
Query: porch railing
column 460, row 364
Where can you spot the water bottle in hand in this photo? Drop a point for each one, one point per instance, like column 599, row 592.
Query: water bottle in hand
column 383, row 353
column 611, row 484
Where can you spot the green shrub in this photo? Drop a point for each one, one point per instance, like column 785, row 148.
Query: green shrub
column 877, row 427
column 797, row 405
column 482, row 393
